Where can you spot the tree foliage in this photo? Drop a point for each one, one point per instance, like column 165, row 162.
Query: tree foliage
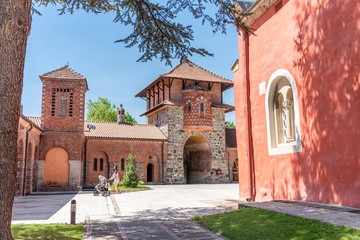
column 230, row 125
column 156, row 29
column 101, row 110
column 131, row 178
column 104, row 111
column 129, row 118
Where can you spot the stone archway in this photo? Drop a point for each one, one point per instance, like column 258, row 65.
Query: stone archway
column 56, row 167
column 197, row 159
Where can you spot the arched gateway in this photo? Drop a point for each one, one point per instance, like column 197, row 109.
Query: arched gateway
column 197, row 159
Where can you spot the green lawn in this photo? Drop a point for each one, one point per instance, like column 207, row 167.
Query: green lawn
column 47, row 231
column 258, row 224
column 122, row 188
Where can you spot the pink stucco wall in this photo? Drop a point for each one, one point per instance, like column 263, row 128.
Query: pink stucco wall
column 318, row 42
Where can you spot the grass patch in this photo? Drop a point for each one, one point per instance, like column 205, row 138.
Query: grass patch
column 47, row 231
column 253, row 223
column 123, row 188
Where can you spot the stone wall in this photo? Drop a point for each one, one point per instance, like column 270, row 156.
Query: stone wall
column 177, row 138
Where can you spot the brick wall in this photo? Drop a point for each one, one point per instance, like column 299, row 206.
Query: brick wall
column 73, row 109
column 28, row 153
column 146, row 152
column 197, row 117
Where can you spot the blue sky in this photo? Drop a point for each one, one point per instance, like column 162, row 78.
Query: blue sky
column 86, row 42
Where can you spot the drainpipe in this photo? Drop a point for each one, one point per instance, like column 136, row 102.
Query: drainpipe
column 84, row 167
column 162, row 162
column 26, row 157
column 250, row 150
column 228, row 163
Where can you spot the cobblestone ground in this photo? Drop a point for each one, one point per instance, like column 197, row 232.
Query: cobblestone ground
column 148, row 229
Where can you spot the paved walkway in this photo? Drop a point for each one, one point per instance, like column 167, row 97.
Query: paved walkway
column 161, row 213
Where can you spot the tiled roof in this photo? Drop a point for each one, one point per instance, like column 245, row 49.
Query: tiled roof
column 63, row 73
column 160, row 105
column 228, row 107
column 188, row 70
column 191, row 71
column 115, row 130
column 35, row 120
column 123, row 131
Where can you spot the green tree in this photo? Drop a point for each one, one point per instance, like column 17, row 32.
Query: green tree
column 230, row 125
column 129, row 118
column 156, row 32
column 101, row 110
column 131, row 178
column 104, row 111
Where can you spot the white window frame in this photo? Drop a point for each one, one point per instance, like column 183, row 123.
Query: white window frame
column 273, row 147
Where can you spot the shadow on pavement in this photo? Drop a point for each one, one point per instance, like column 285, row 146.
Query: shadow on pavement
column 39, row 206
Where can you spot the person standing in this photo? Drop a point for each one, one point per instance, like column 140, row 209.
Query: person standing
column 116, row 178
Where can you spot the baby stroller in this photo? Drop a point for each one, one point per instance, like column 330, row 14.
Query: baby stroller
column 102, row 187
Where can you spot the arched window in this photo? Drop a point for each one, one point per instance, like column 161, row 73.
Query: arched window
column 95, row 164
column 202, row 109
column 282, row 114
column 101, row 164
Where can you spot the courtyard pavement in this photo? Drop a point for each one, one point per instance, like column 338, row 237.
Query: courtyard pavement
column 161, row 213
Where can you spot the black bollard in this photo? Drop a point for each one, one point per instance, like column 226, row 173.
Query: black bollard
column 73, row 211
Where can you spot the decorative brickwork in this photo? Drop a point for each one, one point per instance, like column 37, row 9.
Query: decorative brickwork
column 198, row 109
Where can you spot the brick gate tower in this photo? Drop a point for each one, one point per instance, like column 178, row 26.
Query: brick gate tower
column 62, row 119
column 187, row 105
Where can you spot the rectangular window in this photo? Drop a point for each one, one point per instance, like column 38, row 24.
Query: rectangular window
column 62, row 106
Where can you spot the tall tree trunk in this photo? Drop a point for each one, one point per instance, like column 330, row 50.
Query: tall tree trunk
column 15, row 21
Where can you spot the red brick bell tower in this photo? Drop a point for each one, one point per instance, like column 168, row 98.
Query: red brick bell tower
column 63, row 98
column 62, row 119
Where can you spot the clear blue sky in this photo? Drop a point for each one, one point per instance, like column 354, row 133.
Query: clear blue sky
column 86, row 42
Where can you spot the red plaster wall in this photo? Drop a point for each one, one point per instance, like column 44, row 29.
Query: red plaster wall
column 56, row 167
column 318, row 42
column 115, row 150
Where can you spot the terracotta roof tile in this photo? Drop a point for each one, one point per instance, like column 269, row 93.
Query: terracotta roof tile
column 63, row 73
column 191, row 71
column 162, row 104
column 114, row 130
column 123, row 131
column 35, row 120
